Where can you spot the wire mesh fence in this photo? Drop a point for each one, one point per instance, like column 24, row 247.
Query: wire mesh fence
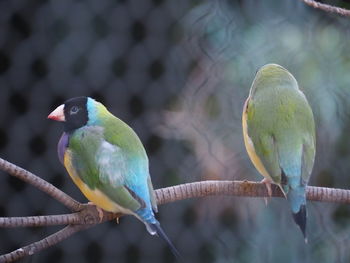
column 178, row 72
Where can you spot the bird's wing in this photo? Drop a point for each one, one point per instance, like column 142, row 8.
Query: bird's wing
column 152, row 194
column 137, row 178
column 113, row 169
column 305, row 117
column 263, row 149
column 296, row 141
column 308, row 157
column 101, row 165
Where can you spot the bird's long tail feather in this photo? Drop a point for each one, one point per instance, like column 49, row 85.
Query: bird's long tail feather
column 297, row 201
column 300, row 220
column 159, row 231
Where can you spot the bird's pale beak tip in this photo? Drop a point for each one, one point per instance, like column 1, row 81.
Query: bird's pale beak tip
column 57, row 114
column 53, row 117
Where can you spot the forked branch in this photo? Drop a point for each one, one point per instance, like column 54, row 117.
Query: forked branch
column 86, row 215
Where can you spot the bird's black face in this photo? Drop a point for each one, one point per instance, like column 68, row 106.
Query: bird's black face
column 75, row 113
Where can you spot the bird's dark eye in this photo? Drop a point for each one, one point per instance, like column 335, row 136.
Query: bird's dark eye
column 74, row 110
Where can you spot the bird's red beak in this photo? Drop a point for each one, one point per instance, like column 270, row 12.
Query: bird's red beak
column 57, row 114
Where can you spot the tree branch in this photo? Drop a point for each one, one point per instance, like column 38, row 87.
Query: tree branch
column 88, row 215
column 327, row 8
column 246, row 189
column 43, row 244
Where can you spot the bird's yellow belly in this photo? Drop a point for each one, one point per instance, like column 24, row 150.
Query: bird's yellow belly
column 95, row 195
column 251, row 150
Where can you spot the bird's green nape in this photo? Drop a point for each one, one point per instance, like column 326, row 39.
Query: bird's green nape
column 272, row 75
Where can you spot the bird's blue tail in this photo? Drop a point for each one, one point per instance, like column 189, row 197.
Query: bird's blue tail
column 297, row 200
column 155, row 227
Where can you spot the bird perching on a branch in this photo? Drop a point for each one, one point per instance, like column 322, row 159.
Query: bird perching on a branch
column 279, row 135
column 107, row 161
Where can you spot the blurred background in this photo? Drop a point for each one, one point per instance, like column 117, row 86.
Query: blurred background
column 178, row 72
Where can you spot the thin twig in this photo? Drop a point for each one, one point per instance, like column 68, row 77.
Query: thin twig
column 41, row 184
column 327, row 8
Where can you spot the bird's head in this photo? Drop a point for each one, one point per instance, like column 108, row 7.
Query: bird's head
column 272, row 76
column 74, row 113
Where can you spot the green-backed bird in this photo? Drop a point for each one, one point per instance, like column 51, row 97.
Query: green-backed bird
column 279, row 135
column 107, row 161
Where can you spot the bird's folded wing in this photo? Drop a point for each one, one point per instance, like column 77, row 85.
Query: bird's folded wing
column 113, row 169
column 102, row 166
column 152, row 194
column 264, row 145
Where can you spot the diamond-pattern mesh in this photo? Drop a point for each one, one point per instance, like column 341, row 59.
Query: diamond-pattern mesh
column 178, row 72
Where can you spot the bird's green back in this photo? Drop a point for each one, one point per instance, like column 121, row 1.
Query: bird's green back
column 280, row 123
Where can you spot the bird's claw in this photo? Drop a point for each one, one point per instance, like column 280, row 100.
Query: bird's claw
column 100, row 213
column 267, row 183
column 99, row 210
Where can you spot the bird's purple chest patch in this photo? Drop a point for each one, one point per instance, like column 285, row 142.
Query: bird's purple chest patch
column 62, row 146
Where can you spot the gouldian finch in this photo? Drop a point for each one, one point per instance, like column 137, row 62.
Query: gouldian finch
column 107, row 161
column 279, row 135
